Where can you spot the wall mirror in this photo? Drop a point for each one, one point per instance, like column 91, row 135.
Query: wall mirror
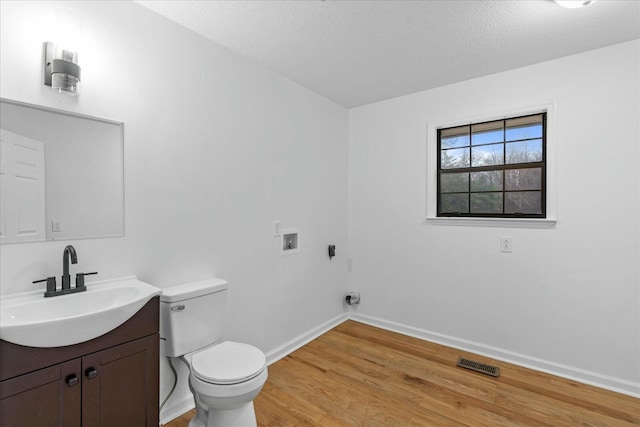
column 61, row 175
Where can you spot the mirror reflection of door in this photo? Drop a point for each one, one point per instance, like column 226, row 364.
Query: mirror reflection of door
column 22, row 198
column 83, row 175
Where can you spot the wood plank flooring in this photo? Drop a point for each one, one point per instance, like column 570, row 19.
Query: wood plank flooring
column 358, row 375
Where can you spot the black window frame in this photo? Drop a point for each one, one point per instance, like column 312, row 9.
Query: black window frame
column 498, row 167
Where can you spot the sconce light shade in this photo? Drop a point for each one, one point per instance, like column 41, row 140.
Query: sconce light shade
column 61, row 70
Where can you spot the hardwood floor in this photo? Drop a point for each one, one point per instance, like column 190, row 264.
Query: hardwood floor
column 357, row 375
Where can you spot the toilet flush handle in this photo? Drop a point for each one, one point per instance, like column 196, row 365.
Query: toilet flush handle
column 178, row 307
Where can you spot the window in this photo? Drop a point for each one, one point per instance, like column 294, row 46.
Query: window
column 494, row 169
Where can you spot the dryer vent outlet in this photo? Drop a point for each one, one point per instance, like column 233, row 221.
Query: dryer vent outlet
column 352, row 298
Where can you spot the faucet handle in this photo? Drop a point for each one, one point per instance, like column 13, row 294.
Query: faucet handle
column 80, row 278
column 51, row 283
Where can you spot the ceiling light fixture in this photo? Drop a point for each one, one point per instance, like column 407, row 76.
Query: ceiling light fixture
column 574, row 4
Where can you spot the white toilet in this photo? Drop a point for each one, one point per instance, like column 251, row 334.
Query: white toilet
column 225, row 376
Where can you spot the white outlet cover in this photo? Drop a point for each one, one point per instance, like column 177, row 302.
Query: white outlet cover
column 277, row 228
column 56, row 226
column 506, row 244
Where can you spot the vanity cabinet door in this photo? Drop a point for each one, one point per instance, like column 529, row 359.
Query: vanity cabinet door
column 49, row 397
column 120, row 385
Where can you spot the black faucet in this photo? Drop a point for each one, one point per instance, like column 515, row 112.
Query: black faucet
column 69, row 252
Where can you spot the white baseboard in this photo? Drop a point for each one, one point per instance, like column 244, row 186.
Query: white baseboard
column 592, row 378
column 175, row 408
column 302, row 339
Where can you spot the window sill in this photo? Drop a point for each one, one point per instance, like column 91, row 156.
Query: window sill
column 493, row 222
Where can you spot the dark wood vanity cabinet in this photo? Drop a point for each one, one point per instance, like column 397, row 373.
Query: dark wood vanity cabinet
column 121, row 393
column 42, row 398
column 110, row 381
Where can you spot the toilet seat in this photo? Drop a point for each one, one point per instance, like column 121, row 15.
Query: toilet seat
column 228, row 363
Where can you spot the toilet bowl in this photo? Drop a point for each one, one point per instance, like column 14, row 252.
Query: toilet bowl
column 227, row 377
column 224, row 376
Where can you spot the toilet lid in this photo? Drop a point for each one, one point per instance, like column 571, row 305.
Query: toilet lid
column 228, row 363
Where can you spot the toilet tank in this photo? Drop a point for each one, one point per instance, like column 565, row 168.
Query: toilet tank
column 192, row 316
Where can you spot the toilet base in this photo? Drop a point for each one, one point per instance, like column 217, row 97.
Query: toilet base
column 225, row 405
column 243, row 416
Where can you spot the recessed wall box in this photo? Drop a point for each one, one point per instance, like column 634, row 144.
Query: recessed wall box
column 289, row 242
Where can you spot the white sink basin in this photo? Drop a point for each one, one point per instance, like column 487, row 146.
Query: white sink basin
column 32, row 320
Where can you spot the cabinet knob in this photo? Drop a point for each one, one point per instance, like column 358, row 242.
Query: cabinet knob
column 72, row 380
column 91, row 373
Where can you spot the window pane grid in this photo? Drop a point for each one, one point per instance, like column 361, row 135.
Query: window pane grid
column 493, row 169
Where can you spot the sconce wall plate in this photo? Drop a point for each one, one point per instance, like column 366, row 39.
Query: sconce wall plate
column 49, row 51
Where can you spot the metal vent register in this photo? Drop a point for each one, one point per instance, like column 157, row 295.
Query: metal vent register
column 483, row 368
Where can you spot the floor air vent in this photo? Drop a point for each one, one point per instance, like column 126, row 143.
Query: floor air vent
column 483, row 368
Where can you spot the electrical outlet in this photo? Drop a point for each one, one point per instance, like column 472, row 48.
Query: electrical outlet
column 277, row 228
column 506, row 244
column 56, row 226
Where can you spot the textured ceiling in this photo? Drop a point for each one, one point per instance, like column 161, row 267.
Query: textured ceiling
column 359, row 52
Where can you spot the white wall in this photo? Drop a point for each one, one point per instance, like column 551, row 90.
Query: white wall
column 216, row 148
column 568, row 297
